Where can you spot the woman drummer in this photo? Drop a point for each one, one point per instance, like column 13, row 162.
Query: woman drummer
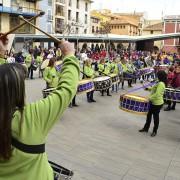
column 28, row 125
column 50, row 75
column 156, row 103
column 89, row 73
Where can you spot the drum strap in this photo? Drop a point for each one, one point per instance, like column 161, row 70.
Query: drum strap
column 31, row 149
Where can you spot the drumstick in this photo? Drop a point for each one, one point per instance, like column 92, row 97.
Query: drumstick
column 47, row 34
column 104, row 74
column 19, row 26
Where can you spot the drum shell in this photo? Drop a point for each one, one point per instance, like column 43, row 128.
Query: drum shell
column 114, row 78
column 102, row 84
column 171, row 94
column 134, row 104
column 85, row 85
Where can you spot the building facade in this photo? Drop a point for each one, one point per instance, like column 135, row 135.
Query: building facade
column 11, row 9
column 154, row 29
column 171, row 25
column 66, row 16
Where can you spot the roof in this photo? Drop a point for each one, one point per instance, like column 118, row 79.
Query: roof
column 98, row 37
column 154, row 27
column 122, row 21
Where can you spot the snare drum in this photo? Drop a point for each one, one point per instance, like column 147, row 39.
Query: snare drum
column 85, row 85
column 172, row 94
column 102, row 83
column 61, row 173
column 134, row 104
column 114, row 78
column 48, row 91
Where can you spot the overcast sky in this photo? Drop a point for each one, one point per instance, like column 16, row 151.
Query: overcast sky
column 153, row 8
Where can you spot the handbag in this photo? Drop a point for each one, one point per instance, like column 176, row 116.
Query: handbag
column 34, row 66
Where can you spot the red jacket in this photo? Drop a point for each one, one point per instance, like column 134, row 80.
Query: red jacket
column 176, row 80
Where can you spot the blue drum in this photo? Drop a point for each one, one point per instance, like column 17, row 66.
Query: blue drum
column 172, row 95
column 134, row 104
column 85, row 85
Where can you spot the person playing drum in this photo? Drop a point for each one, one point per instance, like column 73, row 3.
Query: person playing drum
column 175, row 84
column 115, row 70
column 50, row 75
column 156, row 103
column 89, row 73
column 30, row 124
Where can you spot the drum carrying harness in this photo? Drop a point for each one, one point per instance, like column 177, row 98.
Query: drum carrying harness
column 32, row 149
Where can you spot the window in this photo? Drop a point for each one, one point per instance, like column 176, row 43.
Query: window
column 124, row 27
column 59, row 10
column 86, row 6
column 151, row 32
column 49, row 2
column 59, row 25
column 14, row 21
column 70, row 2
column 97, row 29
column 77, row 16
column 92, row 29
column 77, row 30
column 85, row 21
column 77, row 4
column 69, row 15
column 85, row 31
column 49, row 15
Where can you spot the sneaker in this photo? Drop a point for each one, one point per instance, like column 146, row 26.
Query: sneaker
column 153, row 134
column 143, row 130
column 167, row 109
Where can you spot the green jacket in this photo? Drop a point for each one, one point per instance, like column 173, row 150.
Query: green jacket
column 157, row 92
column 88, row 71
column 2, row 61
column 114, row 67
column 124, row 66
column 101, row 67
column 107, row 69
column 51, row 76
column 28, row 60
column 39, row 59
column 38, row 120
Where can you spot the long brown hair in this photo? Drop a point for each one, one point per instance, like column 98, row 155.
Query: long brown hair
column 12, row 93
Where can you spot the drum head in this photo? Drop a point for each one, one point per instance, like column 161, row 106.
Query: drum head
column 135, row 97
column 103, row 78
column 44, row 64
column 58, row 63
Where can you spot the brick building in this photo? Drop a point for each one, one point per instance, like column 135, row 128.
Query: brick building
column 171, row 25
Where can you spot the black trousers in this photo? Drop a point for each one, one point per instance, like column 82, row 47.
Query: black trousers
column 90, row 95
column 171, row 102
column 30, row 72
column 107, row 91
column 153, row 110
column 74, row 100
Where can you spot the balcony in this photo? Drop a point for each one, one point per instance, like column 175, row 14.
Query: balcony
column 19, row 10
column 49, row 18
column 62, row 2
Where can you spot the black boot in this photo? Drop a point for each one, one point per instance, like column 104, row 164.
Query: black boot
column 143, row 130
column 153, row 134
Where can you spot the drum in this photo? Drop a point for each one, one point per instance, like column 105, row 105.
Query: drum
column 85, row 85
column 127, row 76
column 46, row 92
column 44, row 64
column 58, row 66
column 134, row 104
column 172, row 94
column 102, row 83
column 163, row 67
column 61, row 173
column 114, row 78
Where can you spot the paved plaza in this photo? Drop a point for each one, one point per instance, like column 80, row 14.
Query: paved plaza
column 98, row 141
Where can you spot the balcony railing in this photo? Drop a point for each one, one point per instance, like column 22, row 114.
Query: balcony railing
column 61, row 1
column 19, row 10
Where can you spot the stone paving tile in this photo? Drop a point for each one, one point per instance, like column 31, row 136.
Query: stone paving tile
column 98, row 141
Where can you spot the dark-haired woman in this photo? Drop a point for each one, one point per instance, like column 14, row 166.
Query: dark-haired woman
column 156, row 103
column 50, row 74
column 30, row 124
